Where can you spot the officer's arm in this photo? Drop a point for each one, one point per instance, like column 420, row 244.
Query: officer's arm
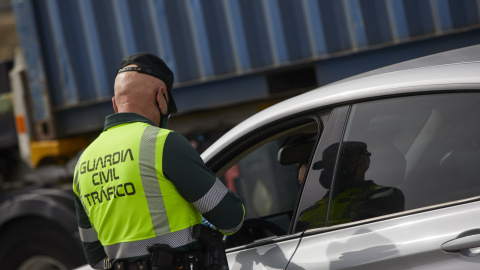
column 197, row 184
column 92, row 247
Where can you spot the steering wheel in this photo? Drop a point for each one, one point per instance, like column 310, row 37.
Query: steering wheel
column 253, row 229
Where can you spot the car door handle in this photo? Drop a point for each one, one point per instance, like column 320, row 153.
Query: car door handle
column 467, row 242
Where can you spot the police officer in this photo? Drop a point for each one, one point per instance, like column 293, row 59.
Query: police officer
column 140, row 184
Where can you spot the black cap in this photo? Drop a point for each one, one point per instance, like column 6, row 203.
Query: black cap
column 154, row 66
column 349, row 149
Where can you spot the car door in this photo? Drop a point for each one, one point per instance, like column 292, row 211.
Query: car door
column 264, row 169
column 397, row 187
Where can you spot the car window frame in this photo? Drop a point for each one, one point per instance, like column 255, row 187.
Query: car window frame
column 245, row 144
column 332, row 133
column 258, row 135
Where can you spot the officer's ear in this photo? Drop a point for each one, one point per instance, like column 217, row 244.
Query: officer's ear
column 114, row 105
column 162, row 100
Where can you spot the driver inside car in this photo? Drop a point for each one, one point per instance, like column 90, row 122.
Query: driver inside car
column 352, row 197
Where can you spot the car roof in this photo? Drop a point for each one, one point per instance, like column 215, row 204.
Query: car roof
column 452, row 70
column 463, row 55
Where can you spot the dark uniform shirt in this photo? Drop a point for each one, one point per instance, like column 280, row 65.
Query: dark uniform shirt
column 183, row 166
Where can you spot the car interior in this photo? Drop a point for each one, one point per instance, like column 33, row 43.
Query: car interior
column 265, row 176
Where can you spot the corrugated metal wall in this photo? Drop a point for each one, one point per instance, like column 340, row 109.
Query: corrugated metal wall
column 79, row 43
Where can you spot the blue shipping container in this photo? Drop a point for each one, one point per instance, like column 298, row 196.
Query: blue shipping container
column 73, row 47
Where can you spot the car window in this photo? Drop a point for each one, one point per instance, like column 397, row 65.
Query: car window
column 267, row 177
column 399, row 154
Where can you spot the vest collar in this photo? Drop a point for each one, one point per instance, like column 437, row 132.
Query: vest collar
column 122, row 118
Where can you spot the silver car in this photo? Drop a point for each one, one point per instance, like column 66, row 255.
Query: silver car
column 379, row 171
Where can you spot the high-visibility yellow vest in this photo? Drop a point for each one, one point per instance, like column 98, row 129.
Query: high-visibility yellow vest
column 120, row 182
column 341, row 210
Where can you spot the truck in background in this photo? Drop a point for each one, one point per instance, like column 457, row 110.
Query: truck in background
column 37, row 215
column 231, row 59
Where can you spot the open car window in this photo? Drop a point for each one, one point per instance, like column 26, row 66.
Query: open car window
column 267, row 176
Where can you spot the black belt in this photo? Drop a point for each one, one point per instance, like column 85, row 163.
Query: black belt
column 138, row 265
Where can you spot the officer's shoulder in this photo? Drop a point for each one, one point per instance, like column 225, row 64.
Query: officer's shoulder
column 175, row 137
column 178, row 145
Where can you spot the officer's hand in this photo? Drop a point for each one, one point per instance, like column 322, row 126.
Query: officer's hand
column 208, row 224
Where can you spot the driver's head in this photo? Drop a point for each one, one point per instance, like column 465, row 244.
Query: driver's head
column 354, row 162
column 143, row 85
column 355, row 158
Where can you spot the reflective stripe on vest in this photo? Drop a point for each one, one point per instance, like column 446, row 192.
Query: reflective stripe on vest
column 139, row 248
column 148, row 173
column 88, row 235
